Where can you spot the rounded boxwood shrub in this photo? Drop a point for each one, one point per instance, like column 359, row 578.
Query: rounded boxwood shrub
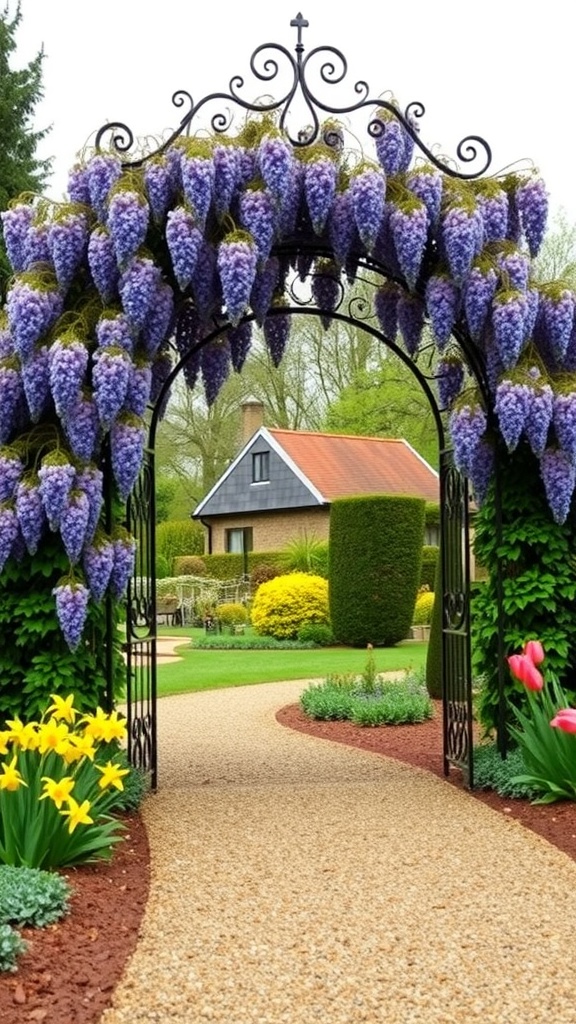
column 375, row 563
column 283, row 605
column 316, row 633
column 231, row 614
column 423, row 608
column 189, row 565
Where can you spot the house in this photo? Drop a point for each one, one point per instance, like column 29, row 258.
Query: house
column 282, row 482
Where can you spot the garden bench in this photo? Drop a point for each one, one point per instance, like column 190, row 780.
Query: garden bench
column 168, row 610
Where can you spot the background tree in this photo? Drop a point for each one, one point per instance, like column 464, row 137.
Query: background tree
column 20, row 90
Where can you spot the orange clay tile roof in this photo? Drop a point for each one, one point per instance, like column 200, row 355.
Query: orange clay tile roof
column 342, row 465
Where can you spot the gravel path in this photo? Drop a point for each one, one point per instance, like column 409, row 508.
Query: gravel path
column 297, row 881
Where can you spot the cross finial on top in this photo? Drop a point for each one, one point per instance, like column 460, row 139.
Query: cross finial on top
column 299, row 22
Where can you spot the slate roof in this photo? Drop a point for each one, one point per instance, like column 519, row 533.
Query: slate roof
column 343, row 465
column 310, row 469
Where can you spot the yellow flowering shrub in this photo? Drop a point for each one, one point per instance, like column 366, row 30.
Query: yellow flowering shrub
column 423, row 608
column 282, row 605
column 231, row 614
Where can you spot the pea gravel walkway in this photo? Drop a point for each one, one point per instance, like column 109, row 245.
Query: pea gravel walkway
column 297, row 881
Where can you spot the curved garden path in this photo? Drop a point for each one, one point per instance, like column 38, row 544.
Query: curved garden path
column 295, row 880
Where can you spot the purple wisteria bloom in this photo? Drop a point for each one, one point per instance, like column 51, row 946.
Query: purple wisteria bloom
column 275, row 160
column 128, row 219
column 30, row 513
column 123, row 565
column 68, row 242
column 539, row 417
column 368, row 192
column 215, row 367
column 558, row 320
column 263, row 289
column 426, row 184
column 442, row 302
column 110, row 378
column 78, row 186
column 36, row 247
column 138, row 288
column 532, row 311
column 198, row 184
column 226, row 173
column 158, row 324
column 514, row 270
column 391, row 144
column 9, row 532
column 15, row 224
column 342, row 227
column 482, row 470
column 57, row 476
column 205, row 282
column 460, row 229
column 276, row 334
column 320, row 177
column 98, row 562
column 512, row 406
column 11, row 469
column 257, row 213
column 450, row 379
column 6, row 344
column 479, row 292
column 386, row 306
column 237, row 259
column 11, row 397
column 410, row 321
column 558, row 473
column 36, row 380
column 71, row 609
column 564, row 418
column 139, row 388
column 73, row 524
column 31, row 311
column 509, row 324
column 290, row 207
column 532, row 202
column 467, row 428
column 82, row 427
column 68, row 362
column 184, row 241
column 409, row 227
column 159, row 186
column 102, row 171
column 102, row 263
column 161, row 370
column 247, row 165
column 127, row 437
column 240, row 341
column 326, row 290
column 115, row 331
column 494, row 209
column 91, row 481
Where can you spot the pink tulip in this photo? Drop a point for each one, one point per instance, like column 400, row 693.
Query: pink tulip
column 524, row 669
column 515, row 662
column 534, row 650
column 565, row 719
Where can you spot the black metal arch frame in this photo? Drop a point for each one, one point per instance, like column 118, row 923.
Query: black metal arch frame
column 454, row 504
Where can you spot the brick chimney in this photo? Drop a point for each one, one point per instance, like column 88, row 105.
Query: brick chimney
column 252, row 418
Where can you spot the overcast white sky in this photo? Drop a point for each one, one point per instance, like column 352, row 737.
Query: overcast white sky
column 503, row 69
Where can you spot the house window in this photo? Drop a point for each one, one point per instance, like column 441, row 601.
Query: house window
column 238, row 542
column 260, row 467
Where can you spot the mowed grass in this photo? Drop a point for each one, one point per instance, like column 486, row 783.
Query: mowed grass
column 216, row 669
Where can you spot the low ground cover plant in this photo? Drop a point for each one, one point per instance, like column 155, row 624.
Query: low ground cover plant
column 369, row 699
column 249, row 642
column 31, row 898
column 492, row 771
column 58, row 783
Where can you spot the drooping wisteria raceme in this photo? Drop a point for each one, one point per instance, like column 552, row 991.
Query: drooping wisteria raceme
column 342, row 226
column 467, row 428
column 410, row 321
column 11, row 470
column 326, row 289
column 386, row 306
column 67, row 363
column 237, row 260
column 275, row 160
column 128, row 217
column 15, row 223
column 558, row 472
column 426, row 183
column 215, row 366
column 265, row 283
column 539, row 418
column 71, row 609
column 461, row 229
column 320, row 177
column 67, row 243
column 73, row 524
column 82, row 426
column 103, row 265
column 98, row 562
column 450, row 379
column 30, row 512
column 110, row 379
column 532, row 204
column 127, row 437
column 35, row 374
column 9, row 531
column 124, row 547
column 160, row 191
column 564, row 419
column 368, row 190
column 512, row 406
column 56, row 475
column 479, row 290
column 240, row 341
column 226, row 161
column 509, row 325
column 257, row 213
column 442, row 306
column 184, row 241
column 276, row 334
column 33, row 304
column 197, row 172
column 409, row 227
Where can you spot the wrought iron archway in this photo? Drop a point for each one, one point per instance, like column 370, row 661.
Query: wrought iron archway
column 267, row 63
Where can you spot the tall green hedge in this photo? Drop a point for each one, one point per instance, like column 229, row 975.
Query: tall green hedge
column 375, row 564
column 230, row 567
column 434, row 653
column 176, row 537
column 429, row 562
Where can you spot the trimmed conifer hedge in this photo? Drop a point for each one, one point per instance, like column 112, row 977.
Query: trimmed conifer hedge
column 375, row 565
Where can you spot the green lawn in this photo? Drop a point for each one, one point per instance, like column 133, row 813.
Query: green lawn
column 210, row 670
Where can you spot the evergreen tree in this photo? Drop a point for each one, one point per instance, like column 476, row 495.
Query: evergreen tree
column 20, row 91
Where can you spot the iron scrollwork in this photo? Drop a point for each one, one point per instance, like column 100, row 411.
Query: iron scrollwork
column 268, row 63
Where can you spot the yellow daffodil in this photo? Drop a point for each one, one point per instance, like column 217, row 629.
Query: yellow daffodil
column 63, row 708
column 57, row 790
column 79, row 747
column 113, row 728
column 93, row 724
column 11, row 778
column 111, row 775
column 53, row 735
column 5, row 740
column 77, row 814
column 24, row 736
